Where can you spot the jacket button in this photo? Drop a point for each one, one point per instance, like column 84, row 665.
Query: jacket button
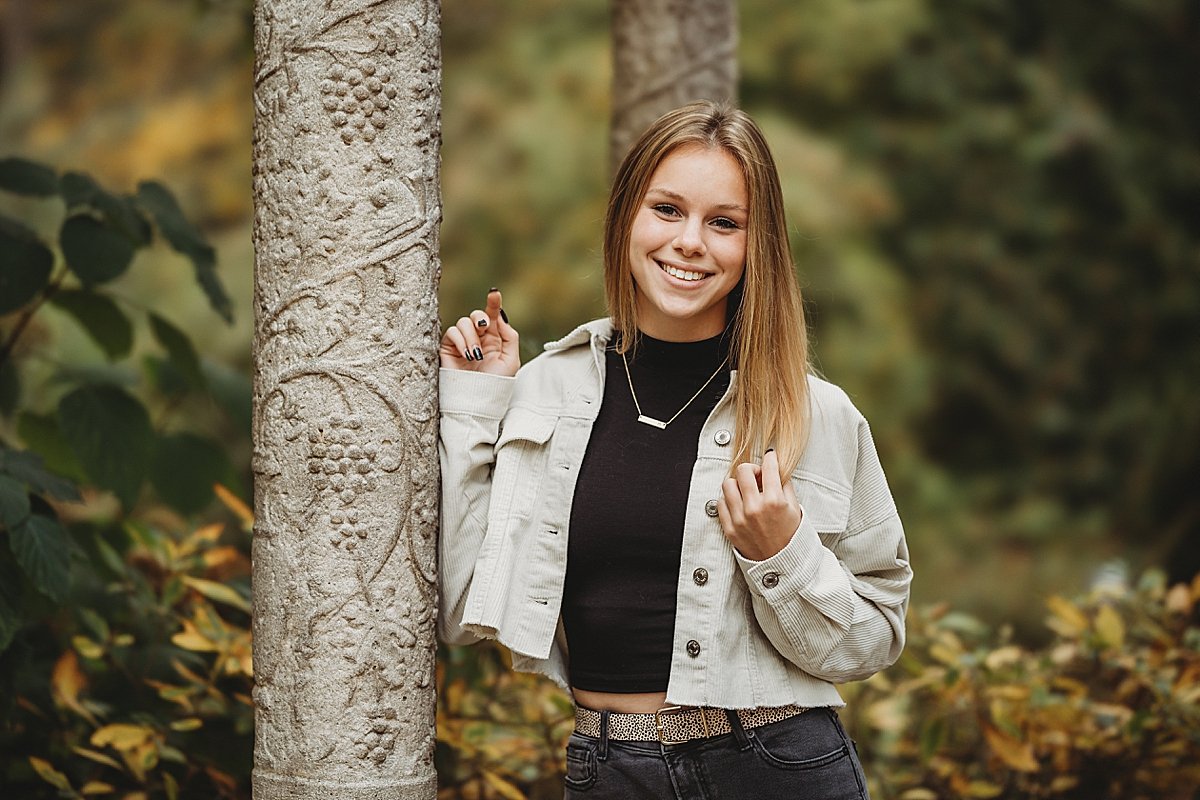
column 710, row 508
column 722, row 437
column 693, row 648
column 700, row 576
column 770, row 580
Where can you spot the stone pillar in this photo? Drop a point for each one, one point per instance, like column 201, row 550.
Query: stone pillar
column 347, row 104
column 667, row 53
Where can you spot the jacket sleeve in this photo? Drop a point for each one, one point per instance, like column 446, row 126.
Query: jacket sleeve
column 837, row 610
column 472, row 405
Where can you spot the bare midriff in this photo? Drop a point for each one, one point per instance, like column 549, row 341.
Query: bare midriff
column 621, row 703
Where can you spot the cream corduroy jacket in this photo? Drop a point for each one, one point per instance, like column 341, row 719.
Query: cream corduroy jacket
column 828, row 608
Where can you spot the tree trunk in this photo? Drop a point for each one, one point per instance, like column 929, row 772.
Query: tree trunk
column 667, row 53
column 347, row 104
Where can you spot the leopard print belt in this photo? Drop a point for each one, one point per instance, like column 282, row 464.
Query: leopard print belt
column 677, row 724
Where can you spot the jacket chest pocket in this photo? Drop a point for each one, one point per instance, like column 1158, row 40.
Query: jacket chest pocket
column 522, row 452
column 825, row 505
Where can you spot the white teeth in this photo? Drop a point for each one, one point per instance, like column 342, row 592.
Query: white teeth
column 682, row 274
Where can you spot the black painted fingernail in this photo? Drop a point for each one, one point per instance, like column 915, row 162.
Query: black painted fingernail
column 769, row 450
column 478, row 354
column 503, row 316
column 482, row 323
column 467, row 355
column 493, row 289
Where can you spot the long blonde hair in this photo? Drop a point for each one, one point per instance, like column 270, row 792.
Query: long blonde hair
column 770, row 335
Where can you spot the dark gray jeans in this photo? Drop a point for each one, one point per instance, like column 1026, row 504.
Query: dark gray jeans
column 808, row 757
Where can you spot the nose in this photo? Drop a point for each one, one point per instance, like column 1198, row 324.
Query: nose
column 689, row 241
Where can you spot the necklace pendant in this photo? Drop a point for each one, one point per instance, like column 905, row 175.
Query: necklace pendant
column 651, row 421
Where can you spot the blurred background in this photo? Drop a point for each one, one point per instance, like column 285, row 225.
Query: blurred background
column 994, row 208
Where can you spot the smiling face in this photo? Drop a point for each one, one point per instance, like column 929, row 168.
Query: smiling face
column 687, row 243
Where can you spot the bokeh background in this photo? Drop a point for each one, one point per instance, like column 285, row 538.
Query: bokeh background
column 994, row 209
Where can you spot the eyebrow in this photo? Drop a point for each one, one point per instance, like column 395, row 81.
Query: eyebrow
column 677, row 196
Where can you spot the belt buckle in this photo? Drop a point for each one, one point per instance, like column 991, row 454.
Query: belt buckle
column 658, row 723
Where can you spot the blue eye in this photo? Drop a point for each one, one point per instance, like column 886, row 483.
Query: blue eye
column 726, row 223
column 666, row 208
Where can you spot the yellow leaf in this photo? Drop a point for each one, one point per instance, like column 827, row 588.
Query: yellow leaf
column 123, row 639
column 187, row 724
column 502, row 786
column 191, row 639
column 1179, row 599
column 1003, row 657
column 122, row 736
column 919, row 793
column 1014, row 753
column 49, row 774
column 134, row 796
column 234, row 504
column 983, row 789
column 220, row 556
column 1067, row 619
column 66, row 682
column 1110, row 627
column 218, row 592
column 97, row 787
column 99, row 758
column 87, row 648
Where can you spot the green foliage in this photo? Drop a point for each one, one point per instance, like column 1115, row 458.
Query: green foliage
column 501, row 734
column 142, row 687
column 1108, row 709
column 99, row 434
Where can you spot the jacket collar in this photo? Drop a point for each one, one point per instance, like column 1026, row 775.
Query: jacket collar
column 598, row 330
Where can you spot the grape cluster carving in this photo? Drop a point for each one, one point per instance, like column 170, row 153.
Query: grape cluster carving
column 356, row 97
column 380, row 739
column 340, row 463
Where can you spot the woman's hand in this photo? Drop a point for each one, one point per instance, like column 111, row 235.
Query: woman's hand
column 758, row 510
column 482, row 342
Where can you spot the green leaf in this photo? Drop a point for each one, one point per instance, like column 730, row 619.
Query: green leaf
column 185, row 468
column 94, row 251
column 109, row 432
column 163, row 375
column 100, row 317
column 43, row 551
column 26, row 265
column 14, row 502
column 186, row 239
column 120, row 212
column 43, row 436
column 179, row 348
column 27, row 467
column 22, row 176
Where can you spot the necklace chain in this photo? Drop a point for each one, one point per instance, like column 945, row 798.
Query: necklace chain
column 658, row 423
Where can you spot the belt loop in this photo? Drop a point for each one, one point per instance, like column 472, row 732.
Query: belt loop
column 603, row 753
column 739, row 733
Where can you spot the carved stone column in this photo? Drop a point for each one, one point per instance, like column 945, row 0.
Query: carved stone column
column 667, row 53
column 347, row 104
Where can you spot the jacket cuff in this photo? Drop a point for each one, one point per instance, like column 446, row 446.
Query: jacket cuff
column 792, row 567
column 476, row 393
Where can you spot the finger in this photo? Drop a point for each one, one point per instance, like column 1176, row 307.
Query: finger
column 494, row 299
column 723, row 516
column 772, row 480
column 480, row 319
column 455, row 338
column 747, row 475
column 732, row 494
column 470, row 338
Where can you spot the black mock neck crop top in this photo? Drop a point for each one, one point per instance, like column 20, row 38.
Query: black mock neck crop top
column 627, row 517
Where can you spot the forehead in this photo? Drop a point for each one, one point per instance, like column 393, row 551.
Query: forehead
column 700, row 172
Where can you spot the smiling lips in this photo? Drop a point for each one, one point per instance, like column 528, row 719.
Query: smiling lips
column 682, row 274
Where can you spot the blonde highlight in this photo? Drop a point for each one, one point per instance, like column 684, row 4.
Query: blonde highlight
column 768, row 325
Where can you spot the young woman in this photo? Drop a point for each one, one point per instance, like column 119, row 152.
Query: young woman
column 666, row 512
